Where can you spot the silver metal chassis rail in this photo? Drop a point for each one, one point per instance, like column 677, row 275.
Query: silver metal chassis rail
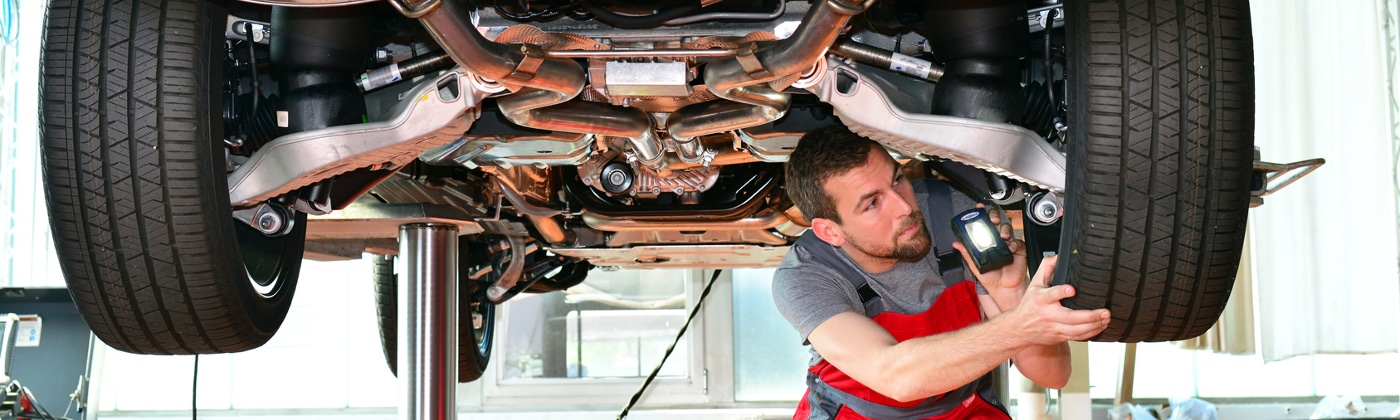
column 434, row 113
column 875, row 108
column 427, row 347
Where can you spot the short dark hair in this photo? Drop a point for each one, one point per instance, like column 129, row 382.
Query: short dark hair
column 821, row 154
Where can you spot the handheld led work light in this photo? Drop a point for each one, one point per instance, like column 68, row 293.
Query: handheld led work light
column 979, row 237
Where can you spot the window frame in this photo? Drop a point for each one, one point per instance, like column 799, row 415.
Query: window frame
column 704, row 384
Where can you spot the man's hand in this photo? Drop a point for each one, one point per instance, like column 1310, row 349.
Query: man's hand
column 1044, row 321
column 1010, row 277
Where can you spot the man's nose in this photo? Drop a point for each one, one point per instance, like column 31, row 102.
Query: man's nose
column 900, row 206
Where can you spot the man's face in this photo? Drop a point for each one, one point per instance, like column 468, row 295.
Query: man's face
column 880, row 217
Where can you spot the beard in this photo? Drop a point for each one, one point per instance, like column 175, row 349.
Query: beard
column 913, row 249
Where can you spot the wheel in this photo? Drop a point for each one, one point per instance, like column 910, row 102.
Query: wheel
column 135, row 175
column 473, row 339
column 1159, row 157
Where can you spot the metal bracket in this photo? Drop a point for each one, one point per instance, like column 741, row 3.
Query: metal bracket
column 267, row 219
column 1270, row 177
column 236, row 29
column 414, row 12
column 749, row 61
column 875, row 108
column 534, row 57
column 434, row 113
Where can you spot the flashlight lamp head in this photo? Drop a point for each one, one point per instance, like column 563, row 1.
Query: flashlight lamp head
column 979, row 237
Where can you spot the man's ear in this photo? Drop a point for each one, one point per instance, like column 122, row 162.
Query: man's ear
column 828, row 231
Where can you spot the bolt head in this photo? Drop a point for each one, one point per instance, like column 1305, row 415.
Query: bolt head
column 269, row 223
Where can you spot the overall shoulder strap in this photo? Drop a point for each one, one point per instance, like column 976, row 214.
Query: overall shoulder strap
column 824, row 252
column 939, row 203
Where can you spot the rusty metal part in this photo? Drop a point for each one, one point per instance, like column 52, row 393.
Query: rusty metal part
column 513, row 66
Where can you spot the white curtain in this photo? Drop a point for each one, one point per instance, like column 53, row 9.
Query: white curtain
column 1234, row 332
column 1325, row 249
column 26, row 254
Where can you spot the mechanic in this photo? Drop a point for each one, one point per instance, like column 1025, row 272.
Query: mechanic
column 895, row 327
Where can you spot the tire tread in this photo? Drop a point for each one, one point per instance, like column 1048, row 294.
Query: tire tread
column 1160, row 205
column 124, row 115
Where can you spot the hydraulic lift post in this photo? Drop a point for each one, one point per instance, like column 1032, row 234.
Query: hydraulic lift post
column 427, row 298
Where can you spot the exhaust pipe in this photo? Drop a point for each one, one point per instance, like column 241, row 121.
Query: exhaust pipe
column 543, row 218
column 745, row 78
column 545, row 87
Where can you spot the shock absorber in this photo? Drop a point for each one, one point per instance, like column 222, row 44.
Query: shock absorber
column 319, row 51
column 981, row 43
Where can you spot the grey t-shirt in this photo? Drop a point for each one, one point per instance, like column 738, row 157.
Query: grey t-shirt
column 808, row 291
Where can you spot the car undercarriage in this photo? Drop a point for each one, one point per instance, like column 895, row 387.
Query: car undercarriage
column 561, row 136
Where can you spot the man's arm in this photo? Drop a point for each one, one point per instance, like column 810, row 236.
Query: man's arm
column 1047, row 366
column 928, row 366
column 916, row 368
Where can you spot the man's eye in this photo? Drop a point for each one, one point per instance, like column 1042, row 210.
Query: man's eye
column 871, row 206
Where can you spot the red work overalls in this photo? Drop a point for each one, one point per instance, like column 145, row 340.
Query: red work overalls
column 833, row 395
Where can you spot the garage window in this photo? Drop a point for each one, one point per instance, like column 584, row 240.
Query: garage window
column 600, row 339
column 770, row 362
column 615, row 325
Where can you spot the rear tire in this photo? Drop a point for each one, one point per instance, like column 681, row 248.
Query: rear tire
column 473, row 345
column 1160, row 155
column 135, row 175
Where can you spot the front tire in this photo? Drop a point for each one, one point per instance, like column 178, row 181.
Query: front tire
column 136, row 180
column 1160, row 154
